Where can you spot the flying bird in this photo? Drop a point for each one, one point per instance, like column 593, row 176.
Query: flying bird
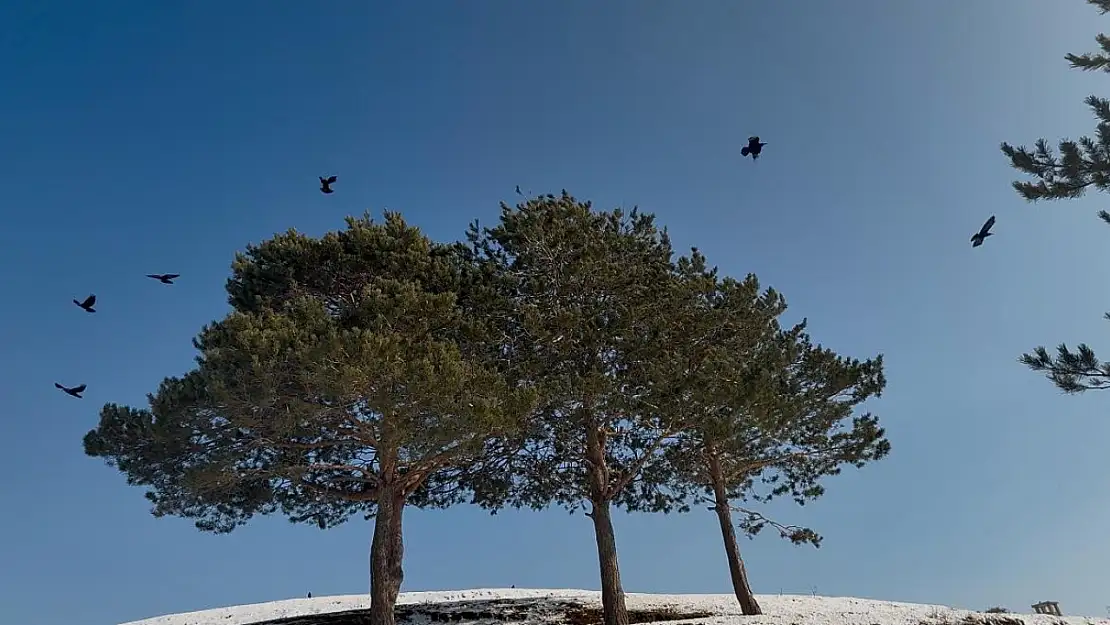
column 984, row 232
column 75, row 391
column 164, row 278
column 753, row 148
column 325, row 183
column 518, row 190
column 87, row 304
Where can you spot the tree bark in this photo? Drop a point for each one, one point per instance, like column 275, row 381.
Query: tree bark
column 614, row 611
column 740, row 587
column 388, row 548
column 386, row 554
column 612, row 594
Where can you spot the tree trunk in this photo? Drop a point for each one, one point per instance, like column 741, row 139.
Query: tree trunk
column 740, row 588
column 612, row 594
column 613, row 608
column 386, row 553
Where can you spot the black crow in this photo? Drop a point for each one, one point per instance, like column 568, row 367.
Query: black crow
column 518, row 190
column 164, row 278
column 75, row 391
column 325, row 183
column 87, row 304
column 753, row 148
column 309, row 595
column 984, row 232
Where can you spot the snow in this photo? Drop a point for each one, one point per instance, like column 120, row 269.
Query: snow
column 545, row 606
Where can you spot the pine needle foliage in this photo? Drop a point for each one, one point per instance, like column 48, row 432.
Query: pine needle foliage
column 346, row 368
column 1066, row 173
column 773, row 413
column 584, row 297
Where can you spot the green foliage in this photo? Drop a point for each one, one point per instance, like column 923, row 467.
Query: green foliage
column 581, row 297
column 808, row 432
column 1080, row 165
column 772, row 410
column 346, row 367
column 1071, row 372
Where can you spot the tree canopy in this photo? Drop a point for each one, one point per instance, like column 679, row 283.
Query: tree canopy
column 345, row 377
column 586, row 291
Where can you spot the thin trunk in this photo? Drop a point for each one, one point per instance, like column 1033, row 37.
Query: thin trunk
column 613, row 607
column 612, row 594
column 740, row 587
column 387, row 549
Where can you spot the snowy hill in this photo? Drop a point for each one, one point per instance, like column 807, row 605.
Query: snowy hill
column 582, row 607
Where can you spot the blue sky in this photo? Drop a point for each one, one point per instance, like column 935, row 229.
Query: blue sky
column 163, row 137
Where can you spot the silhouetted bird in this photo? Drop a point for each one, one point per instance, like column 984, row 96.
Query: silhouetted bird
column 984, row 232
column 325, row 183
column 518, row 190
column 75, row 391
column 309, row 595
column 164, row 278
column 87, row 304
column 753, row 148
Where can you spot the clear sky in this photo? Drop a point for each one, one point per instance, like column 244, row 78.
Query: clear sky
column 140, row 137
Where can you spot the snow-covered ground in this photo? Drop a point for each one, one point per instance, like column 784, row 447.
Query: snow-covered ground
column 550, row 607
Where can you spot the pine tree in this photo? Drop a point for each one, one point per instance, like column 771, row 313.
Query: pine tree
column 347, row 379
column 583, row 295
column 769, row 408
column 1079, row 165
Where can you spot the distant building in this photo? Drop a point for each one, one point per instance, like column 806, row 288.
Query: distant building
column 1047, row 607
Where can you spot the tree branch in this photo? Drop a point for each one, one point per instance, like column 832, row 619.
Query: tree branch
column 756, row 520
column 627, row 476
column 766, row 462
column 370, row 494
column 421, row 469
